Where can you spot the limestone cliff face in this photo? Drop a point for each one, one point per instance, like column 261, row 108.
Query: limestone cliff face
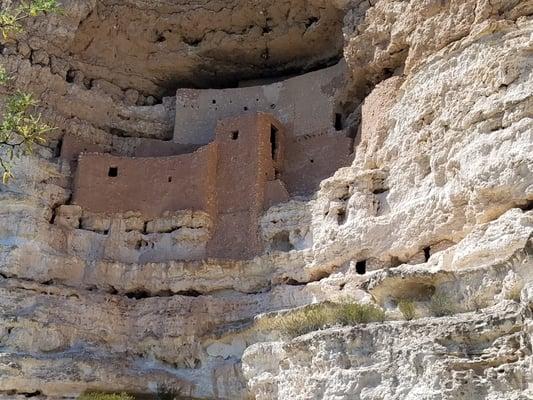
column 438, row 201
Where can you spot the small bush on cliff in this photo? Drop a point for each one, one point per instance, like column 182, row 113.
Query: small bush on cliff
column 321, row 316
column 11, row 17
column 20, row 130
column 105, row 396
column 441, row 305
column 166, row 393
column 301, row 321
column 407, row 308
column 354, row 313
column 20, row 127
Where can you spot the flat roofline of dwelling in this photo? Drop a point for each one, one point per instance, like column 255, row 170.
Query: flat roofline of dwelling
column 108, row 155
column 255, row 83
column 256, row 115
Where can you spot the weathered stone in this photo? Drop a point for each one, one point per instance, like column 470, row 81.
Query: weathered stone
column 68, row 216
column 435, row 207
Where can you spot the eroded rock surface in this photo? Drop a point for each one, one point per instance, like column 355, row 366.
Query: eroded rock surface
column 438, row 201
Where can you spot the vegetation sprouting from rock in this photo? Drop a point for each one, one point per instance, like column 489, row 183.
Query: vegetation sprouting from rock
column 321, row 316
column 166, row 393
column 20, row 127
column 441, row 305
column 407, row 308
column 11, row 17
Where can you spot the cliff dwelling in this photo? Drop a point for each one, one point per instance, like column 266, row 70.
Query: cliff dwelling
column 235, row 153
column 266, row 200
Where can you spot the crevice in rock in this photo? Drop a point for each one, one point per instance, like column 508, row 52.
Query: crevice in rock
column 341, row 216
column 427, row 253
column 293, row 282
column 311, row 21
column 144, row 294
column 380, row 191
column 189, row 293
column 192, row 42
column 138, row 295
column 54, row 215
column 22, row 393
column 528, row 206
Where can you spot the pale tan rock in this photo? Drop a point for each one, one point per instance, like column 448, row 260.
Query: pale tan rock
column 362, row 361
column 443, row 162
column 68, row 216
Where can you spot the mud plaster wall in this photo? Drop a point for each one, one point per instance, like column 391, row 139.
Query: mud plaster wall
column 303, row 104
column 245, row 163
column 309, row 160
column 149, row 185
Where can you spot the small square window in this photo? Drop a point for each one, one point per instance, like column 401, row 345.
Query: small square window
column 234, row 135
column 113, row 172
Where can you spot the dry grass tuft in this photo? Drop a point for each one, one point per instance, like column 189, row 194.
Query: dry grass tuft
column 441, row 305
column 407, row 308
column 321, row 316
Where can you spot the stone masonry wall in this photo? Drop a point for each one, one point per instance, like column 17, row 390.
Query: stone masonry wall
column 303, row 104
column 311, row 159
column 245, row 164
column 149, row 185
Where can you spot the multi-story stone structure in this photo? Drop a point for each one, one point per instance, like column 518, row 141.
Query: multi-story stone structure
column 235, row 153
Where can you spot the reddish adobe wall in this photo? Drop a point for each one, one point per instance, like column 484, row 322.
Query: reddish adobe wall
column 308, row 161
column 73, row 146
column 109, row 184
column 250, row 167
column 250, row 148
column 233, row 179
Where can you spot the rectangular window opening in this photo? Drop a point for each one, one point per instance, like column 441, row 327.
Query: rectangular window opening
column 59, row 147
column 234, row 135
column 338, row 122
column 113, row 172
column 360, row 267
column 274, row 141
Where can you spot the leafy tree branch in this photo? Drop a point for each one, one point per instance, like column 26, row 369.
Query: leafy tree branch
column 20, row 127
column 11, row 17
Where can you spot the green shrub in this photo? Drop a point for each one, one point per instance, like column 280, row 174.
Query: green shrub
column 354, row 313
column 20, row 127
column 441, row 305
column 105, row 396
column 11, row 17
column 301, row 321
column 4, row 77
column 20, row 130
column 166, row 393
column 407, row 308
column 321, row 316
